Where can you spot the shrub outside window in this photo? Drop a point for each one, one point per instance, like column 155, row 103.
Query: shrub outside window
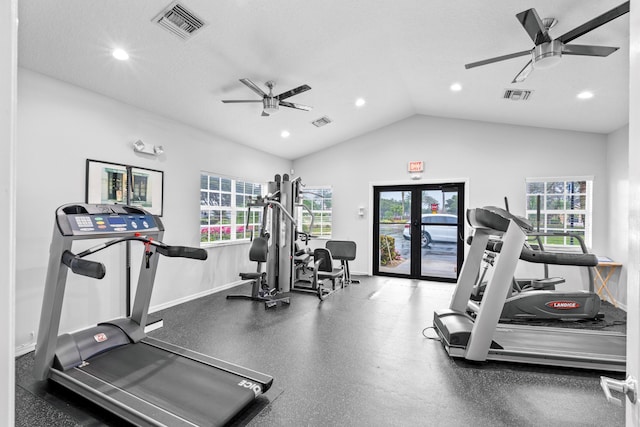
column 223, row 208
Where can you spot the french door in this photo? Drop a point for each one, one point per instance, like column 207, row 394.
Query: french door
column 419, row 231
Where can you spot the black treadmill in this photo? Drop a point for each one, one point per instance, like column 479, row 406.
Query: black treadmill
column 143, row 380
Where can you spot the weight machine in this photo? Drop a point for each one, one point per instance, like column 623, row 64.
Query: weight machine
column 288, row 268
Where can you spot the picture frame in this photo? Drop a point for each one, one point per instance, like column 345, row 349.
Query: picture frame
column 147, row 189
column 111, row 183
column 106, row 183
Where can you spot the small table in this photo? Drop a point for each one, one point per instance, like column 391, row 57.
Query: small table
column 608, row 267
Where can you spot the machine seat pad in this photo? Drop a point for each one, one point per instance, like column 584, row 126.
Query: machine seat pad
column 302, row 259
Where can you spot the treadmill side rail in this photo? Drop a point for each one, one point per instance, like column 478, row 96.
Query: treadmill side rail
column 116, row 400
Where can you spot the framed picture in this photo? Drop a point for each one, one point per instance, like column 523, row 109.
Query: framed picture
column 106, row 182
column 109, row 183
column 147, row 189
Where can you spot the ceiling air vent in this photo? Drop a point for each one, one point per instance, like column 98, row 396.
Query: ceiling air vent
column 321, row 121
column 517, row 94
column 179, row 20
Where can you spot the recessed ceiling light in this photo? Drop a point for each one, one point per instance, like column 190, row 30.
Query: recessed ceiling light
column 456, row 87
column 360, row 102
column 585, row 95
column 285, row 134
column 120, row 54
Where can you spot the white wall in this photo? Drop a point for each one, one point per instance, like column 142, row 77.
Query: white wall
column 8, row 75
column 494, row 158
column 618, row 205
column 59, row 127
column 65, row 125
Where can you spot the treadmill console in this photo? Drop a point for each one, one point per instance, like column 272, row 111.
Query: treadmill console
column 111, row 223
column 85, row 219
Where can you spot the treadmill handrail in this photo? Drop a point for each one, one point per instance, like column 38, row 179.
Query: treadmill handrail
column 162, row 248
column 84, row 267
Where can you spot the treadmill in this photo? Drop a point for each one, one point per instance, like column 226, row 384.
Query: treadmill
column 483, row 338
column 143, row 380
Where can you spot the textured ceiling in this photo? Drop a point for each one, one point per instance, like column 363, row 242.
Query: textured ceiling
column 401, row 56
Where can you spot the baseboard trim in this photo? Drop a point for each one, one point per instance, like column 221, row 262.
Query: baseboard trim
column 28, row 348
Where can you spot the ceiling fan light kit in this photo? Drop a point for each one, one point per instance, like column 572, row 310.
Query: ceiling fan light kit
column 547, row 52
column 271, row 103
column 546, row 55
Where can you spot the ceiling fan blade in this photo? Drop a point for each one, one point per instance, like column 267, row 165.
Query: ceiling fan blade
column 497, row 59
column 297, row 106
column 533, row 26
column 228, row 101
column 289, row 93
column 581, row 49
column 251, row 85
column 264, row 114
column 524, row 73
column 595, row 23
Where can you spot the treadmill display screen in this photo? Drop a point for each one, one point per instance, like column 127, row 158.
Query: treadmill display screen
column 116, row 220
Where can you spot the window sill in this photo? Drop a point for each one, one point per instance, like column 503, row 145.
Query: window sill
column 224, row 243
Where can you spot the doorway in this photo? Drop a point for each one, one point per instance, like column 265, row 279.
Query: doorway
column 418, row 231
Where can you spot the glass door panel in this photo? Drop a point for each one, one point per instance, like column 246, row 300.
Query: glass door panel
column 394, row 249
column 439, row 234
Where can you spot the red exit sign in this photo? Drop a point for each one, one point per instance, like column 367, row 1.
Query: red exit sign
column 416, row 166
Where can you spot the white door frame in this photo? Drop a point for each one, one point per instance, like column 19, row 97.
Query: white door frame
column 8, row 112
column 633, row 268
column 370, row 245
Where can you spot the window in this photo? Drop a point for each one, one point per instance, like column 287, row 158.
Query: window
column 565, row 207
column 223, row 208
column 318, row 201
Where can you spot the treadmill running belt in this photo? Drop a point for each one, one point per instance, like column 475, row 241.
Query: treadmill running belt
column 199, row 393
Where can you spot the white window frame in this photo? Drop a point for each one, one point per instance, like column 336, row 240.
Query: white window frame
column 232, row 209
column 586, row 211
column 311, row 193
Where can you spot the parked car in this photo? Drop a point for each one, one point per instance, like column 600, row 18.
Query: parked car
column 439, row 231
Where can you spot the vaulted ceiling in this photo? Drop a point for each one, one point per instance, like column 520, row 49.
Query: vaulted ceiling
column 400, row 56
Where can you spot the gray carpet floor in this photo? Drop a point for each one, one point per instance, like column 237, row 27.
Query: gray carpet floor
column 359, row 358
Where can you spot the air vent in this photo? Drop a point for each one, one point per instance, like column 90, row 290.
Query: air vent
column 179, row 20
column 321, row 121
column 517, row 94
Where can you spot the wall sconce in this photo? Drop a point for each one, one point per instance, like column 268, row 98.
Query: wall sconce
column 141, row 147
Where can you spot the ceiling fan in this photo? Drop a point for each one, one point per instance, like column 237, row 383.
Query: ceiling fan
column 271, row 102
column 548, row 51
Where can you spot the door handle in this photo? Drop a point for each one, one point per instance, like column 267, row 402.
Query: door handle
column 629, row 387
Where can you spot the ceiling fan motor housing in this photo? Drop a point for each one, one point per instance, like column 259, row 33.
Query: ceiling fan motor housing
column 548, row 54
column 270, row 104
